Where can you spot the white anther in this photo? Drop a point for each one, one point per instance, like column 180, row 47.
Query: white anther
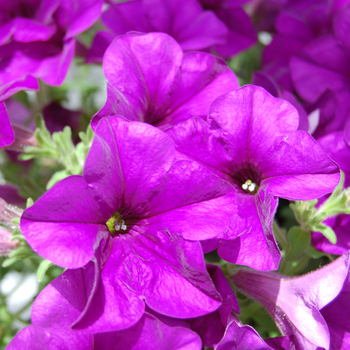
column 251, row 187
column 245, row 186
column 123, row 227
column 120, row 225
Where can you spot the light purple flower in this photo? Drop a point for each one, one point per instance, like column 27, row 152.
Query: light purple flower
column 151, row 80
column 136, row 195
column 6, row 132
column 251, row 140
column 59, row 305
column 193, row 27
column 297, row 304
column 37, row 40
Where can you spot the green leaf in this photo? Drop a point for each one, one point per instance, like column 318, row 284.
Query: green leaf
column 9, row 261
column 299, row 243
column 21, row 251
column 16, row 221
column 327, row 232
column 43, row 267
column 30, row 202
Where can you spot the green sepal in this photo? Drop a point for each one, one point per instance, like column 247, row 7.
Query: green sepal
column 21, row 251
column 326, row 231
column 16, row 221
column 9, row 261
column 30, row 202
column 43, row 267
column 299, row 243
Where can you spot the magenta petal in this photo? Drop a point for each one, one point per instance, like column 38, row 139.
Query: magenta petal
column 58, row 63
column 166, row 86
column 149, row 330
column 321, row 65
column 212, row 327
column 6, row 133
column 103, row 169
column 206, row 30
column 144, row 89
column 257, row 236
column 173, row 282
column 341, row 26
column 203, row 77
column 72, row 224
column 82, row 15
column 307, row 174
column 38, row 338
column 241, row 33
column 238, row 336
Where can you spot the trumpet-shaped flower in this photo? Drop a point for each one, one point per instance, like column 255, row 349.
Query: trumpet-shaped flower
column 151, row 80
column 37, row 40
column 137, row 196
column 304, row 308
column 251, row 140
column 61, row 303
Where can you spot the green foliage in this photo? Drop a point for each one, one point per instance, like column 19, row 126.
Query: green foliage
column 311, row 219
column 60, row 148
column 299, row 240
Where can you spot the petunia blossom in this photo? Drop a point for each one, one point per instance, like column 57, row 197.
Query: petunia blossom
column 251, row 140
column 297, row 304
column 37, row 40
column 319, row 77
column 193, row 27
column 151, row 80
column 136, row 195
column 297, row 24
column 238, row 336
column 59, row 305
column 241, row 33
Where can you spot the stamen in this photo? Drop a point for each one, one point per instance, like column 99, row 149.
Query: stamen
column 250, row 186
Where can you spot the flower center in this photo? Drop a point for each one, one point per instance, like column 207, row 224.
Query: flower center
column 116, row 224
column 250, row 187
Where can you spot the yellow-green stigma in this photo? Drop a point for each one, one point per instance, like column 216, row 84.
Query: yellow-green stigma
column 115, row 223
column 250, row 187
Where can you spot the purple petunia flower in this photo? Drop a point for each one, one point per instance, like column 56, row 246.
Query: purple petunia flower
column 37, row 40
column 221, row 26
column 238, row 337
column 62, row 302
column 251, row 140
column 304, row 308
column 6, row 133
column 137, row 198
column 297, row 24
column 151, row 80
column 323, row 79
column 241, row 33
